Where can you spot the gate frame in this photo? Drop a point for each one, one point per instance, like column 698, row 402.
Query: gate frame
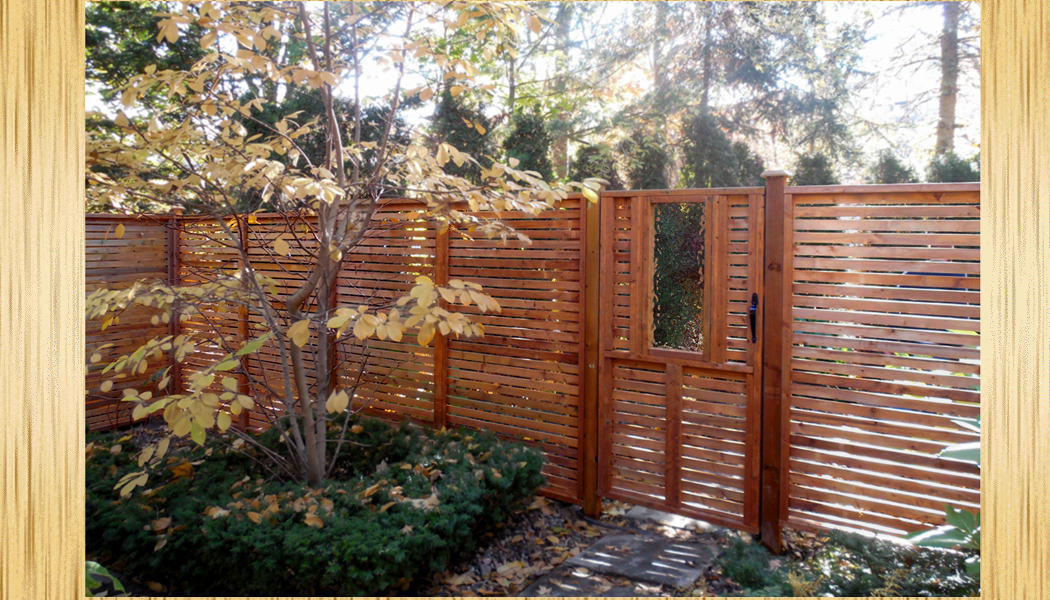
column 776, row 360
column 593, row 400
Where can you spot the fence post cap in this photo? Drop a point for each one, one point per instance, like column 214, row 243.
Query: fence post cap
column 775, row 173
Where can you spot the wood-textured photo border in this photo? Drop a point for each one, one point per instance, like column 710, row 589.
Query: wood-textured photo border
column 42, row 297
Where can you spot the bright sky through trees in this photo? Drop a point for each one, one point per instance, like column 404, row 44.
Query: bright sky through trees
column 895, row 102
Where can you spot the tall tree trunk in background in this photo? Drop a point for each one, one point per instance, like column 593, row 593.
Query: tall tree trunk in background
column 706, row 82
column 659, row 36
column 949, row 78
column 561, row 142
column 512, row 86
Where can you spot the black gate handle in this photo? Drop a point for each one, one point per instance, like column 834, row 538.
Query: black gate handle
column 753, row 313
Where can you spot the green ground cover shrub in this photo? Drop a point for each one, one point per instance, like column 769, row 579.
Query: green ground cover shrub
column 855, row 565
column 403, row 502
column 748, row 564
column 848, row 565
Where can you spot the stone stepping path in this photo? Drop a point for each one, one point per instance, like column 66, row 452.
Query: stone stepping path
column 627, row 565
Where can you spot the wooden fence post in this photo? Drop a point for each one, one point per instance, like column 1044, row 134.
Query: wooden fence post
column 590, row 225
column 776, row 356
column 174, row 255
column 441, row 250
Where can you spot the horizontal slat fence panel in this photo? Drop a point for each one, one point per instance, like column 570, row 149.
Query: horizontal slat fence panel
column 522, row 378
column 884, row 347
column 115, row 263
column 398, row 377
column 885, row 355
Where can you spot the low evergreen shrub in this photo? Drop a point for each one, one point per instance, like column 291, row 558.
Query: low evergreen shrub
column 400, row 505
column 855, row 565
column 747, row 564
column 845, row 564
column 950, row 168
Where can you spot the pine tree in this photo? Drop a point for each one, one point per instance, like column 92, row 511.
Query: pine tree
column 467, row 129
column 889, row 169
column 530, row 143
column 949, row 168
column 710, row 160
column 647, row 160
column 814, row 169
column 751, row 166
column 596, row 161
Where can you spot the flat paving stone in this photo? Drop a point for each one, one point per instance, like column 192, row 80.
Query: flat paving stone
column 648, row 559
column 641, row 513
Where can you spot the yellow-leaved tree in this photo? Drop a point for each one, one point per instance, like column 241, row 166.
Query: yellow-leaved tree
column 183, row 140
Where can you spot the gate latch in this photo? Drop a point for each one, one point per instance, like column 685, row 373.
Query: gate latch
column 753, row 313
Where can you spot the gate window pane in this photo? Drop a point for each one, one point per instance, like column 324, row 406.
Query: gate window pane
column 678, row 275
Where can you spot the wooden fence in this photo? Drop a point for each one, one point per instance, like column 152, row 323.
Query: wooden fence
column 885, row 354
column 826, row 410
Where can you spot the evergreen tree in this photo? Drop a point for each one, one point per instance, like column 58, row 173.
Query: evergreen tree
column 530, row 143
column 120, row 39
column 467, row 129
column 647, row 160
column 596, row 161
column 814, row 169
column 949, row 168
column 710, row 160
column 309, row 104
column 751, row 166
column 889, row 169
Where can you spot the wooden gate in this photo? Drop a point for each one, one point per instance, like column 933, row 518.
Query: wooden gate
column 680, row 351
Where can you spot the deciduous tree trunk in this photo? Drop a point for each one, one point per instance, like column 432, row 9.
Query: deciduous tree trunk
column 561, row 143
column 949, row 78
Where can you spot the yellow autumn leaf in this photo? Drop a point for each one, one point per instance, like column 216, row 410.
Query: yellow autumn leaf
column 119, row 232
column 314, row 521
column 356, row 429
column 255, row 517
column 337, row 402
column 426, row 333
column 456, row 90
column 224, row 420
column 281, row 247
column 300, row 332
column 209, row 39
column 534, row 23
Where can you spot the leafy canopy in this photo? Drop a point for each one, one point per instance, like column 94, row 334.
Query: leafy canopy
column 181, row 138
